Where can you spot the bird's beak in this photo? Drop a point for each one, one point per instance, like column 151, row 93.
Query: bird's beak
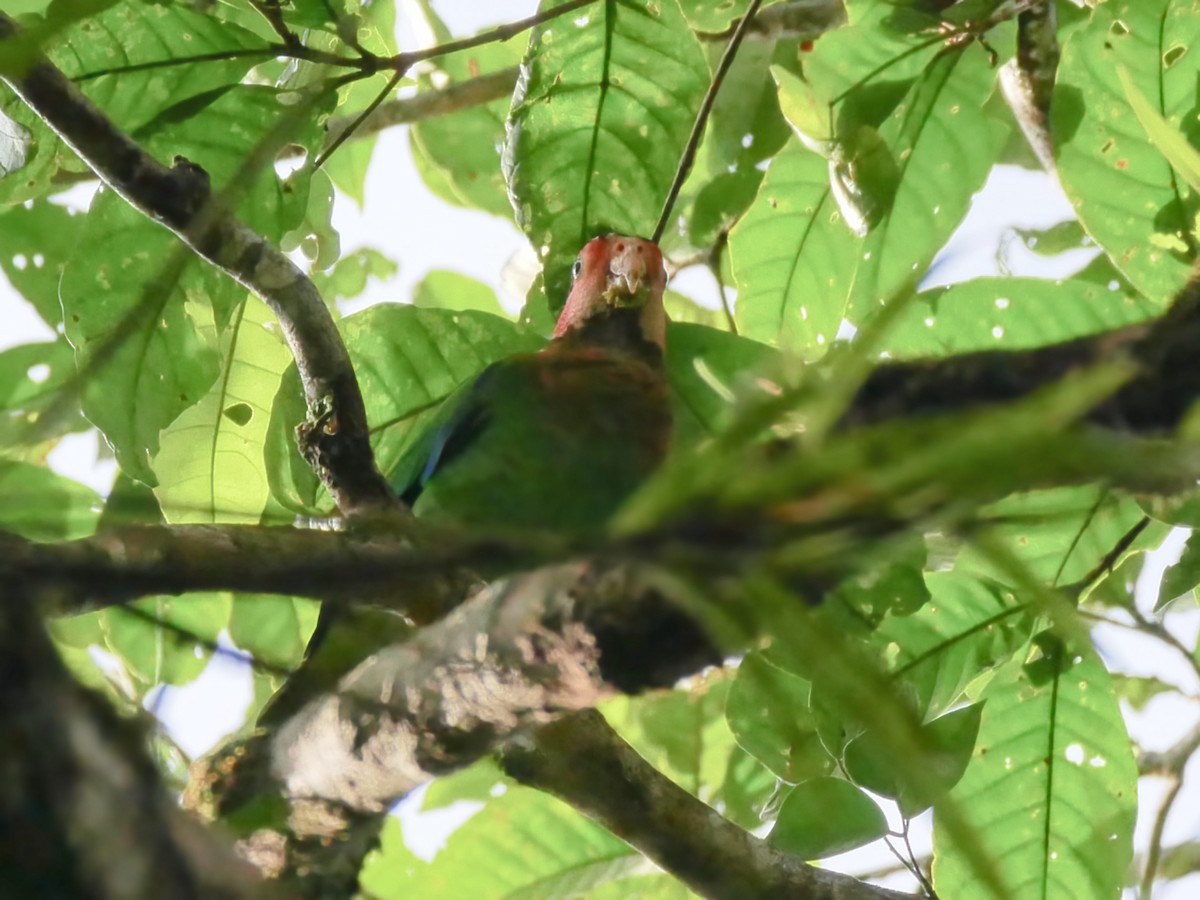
column 626, row 274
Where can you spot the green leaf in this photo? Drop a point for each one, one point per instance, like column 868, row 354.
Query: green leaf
column 42, row 506
column 712, row 15
column 792, row 257
column 1101, row 149
column 129, row 35
column 1170, row 142
column 943, row 145
column 682, row 733
column 825, row 816
column 1009, row 314
column 1051, row 789
column 38, row 239
column 1062, row 534
column 136, row 339
column 1182, row 577
column 349, row 276
column 222, row 135
column 30, row 372
column 706, row 367
column 870, row 762
column 1139, row 690
column 603, row 110
column 458, row 153
column 139, row 307
column 165, row 640
column 443, row 289
column 210, row 461
column 746, row 127
column 969, row 626
column 768, row 712
column 478, row 782
column 271, row 628
column 522, row 844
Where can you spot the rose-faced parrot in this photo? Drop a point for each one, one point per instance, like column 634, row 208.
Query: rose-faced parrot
column 559, row 438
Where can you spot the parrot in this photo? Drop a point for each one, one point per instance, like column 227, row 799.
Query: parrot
column 557, row 439
column 552, row 440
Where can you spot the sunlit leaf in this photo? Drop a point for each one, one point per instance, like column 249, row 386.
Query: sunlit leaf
column 522, row 843
column 210, row 460
column 1009, row 314
column 42, row 506
column 1102, row 149
column 825, row 816
column 1051, row 789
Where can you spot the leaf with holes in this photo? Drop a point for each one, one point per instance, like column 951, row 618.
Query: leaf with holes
column 600, row 117
column 1051, row 788
column 792, row 257
column 1010, row 314
column 1103, row 149
column 210, row 459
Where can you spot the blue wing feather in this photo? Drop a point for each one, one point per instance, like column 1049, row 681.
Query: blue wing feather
column 459, row 422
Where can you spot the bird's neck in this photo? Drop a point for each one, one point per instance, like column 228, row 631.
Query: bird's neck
column 617, row 332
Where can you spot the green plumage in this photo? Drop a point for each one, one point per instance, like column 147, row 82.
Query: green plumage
column 550, row 440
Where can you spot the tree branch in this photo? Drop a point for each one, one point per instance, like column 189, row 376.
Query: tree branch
column 82, row 808
column 428, row 104
column 179, row 197
column 581, row 760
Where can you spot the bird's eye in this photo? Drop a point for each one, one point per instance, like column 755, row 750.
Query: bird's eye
column 577, row 268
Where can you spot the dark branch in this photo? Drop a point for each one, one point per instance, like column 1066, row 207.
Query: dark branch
column 82, row 809
column 574, row 756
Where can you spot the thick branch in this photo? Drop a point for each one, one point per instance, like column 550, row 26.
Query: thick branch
column 581, row 760
column 1154, row 401
column 82, row 808
column 122, row 564
column 179, row 197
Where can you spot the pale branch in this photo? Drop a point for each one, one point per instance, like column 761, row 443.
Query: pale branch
column 581, row 760
column 82, row 808
column 428, row 104
column 1027, row 80
column 180, row 198
column 518, row 654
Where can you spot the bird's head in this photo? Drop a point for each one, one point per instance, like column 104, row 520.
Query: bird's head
column 615, row 273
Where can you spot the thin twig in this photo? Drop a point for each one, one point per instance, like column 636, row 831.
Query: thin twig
column 688, row 157
column 714, row 266
column 1154, row 852
column 427, row 104
column 402, row 61
column 349, row 130
column 273, row 13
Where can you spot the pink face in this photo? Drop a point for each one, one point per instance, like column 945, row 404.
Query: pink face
column 614, row 271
